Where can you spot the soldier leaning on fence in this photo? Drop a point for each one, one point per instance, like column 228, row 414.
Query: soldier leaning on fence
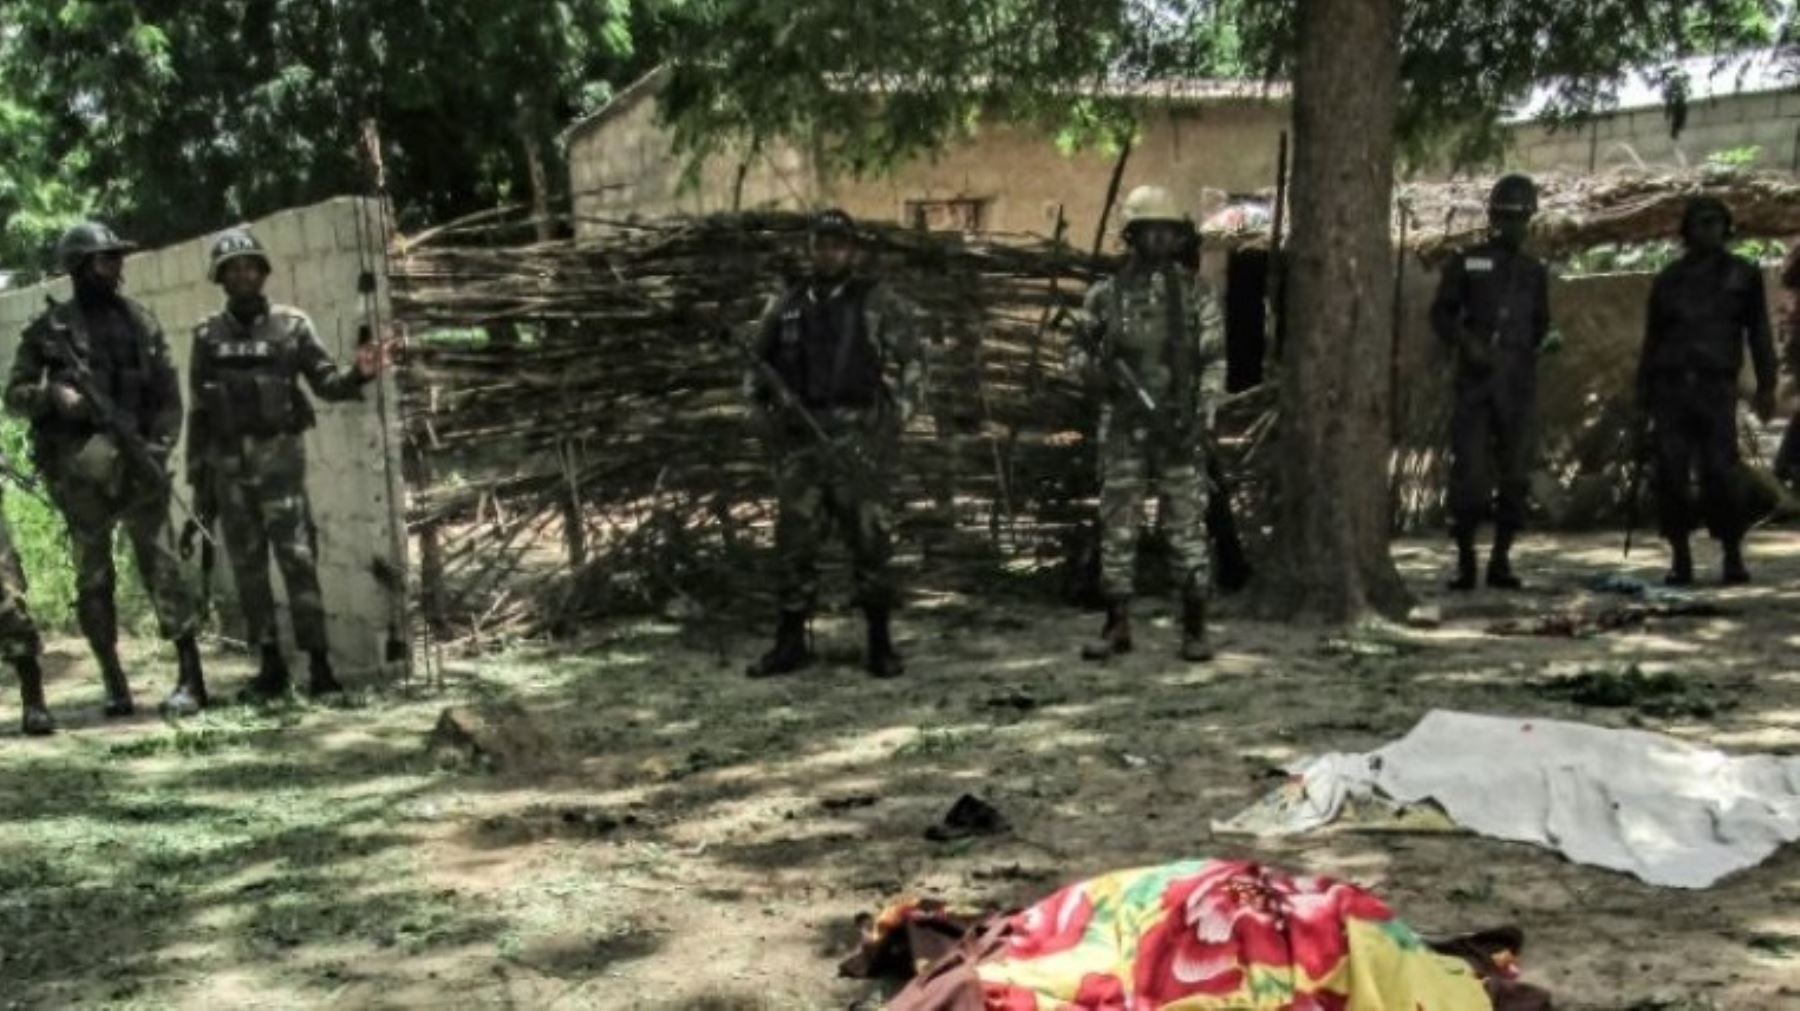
column 246, row 458
column 1705, row 310
column 117, row 347
column 845, row 351
column 1493, row 309
column 1157, row 320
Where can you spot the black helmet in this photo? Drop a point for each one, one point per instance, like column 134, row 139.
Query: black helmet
column 235, row 244
column 90, row 238
column 1705, row 205
column 1515, row 194
column 833, row 221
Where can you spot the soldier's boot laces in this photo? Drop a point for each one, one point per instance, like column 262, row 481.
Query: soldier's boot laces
column 271, row 681
column 1500, row 574
column 1734, row 572
column 1115, row 635
column 881, row 659
column 1681, row 568
column 118, row 689
column 790, row 653
column 1465, row 563
column 321, row 681
column 37, row 721
column 1194, row 645
column 189, row 696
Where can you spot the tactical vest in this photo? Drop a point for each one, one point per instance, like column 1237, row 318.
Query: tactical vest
column 118, row 363
column 252, row 389
column 1154, row 319
column 825, row 349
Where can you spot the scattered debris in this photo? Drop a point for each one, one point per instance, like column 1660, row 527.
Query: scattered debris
column 491, row 737
column 1663, row 693
column 1582, row 624
column 970, row 816
column 849, row 803
column 1425, row 616
column 1012, row 698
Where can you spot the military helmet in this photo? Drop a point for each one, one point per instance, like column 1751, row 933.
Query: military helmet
column 833, row 221
column 89, row 238
column 1515, row 194
column 234, row 244
column 1146, row 204
column 1706, row 205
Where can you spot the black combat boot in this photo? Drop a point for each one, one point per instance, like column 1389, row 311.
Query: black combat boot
column 118, row 689
column 37, row 721
column 1499, row 571
column 321, row 682
column 1681, row 567
column 1194, row 647
column 881, row 659
column 271, row 681
column 790, row 653
column 1465, row 561
column 189, row 696
column 1115, row 635
column 1734, row 573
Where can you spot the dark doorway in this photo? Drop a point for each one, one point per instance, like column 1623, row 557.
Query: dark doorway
column 1246, row 318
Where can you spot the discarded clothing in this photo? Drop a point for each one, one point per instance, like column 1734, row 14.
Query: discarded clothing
column 1581, row 624
column 1214, row 934
column 1661, row 810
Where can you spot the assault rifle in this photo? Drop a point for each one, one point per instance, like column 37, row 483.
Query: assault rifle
column 844, row 454
column 139, row 457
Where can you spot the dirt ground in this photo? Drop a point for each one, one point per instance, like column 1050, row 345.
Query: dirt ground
column 663, row 833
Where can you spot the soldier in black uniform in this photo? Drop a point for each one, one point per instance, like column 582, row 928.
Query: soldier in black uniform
column 1705, row 309
column 1493, row 309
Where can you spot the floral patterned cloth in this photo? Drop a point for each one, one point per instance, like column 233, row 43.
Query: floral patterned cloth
column 1200, row 935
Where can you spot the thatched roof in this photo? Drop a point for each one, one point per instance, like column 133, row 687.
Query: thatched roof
column 1582, row 211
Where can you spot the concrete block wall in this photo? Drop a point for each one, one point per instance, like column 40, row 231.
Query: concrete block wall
column 1769, row 121
column 318, row 253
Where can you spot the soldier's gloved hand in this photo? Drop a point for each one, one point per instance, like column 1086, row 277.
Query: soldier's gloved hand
column 1763, row 405
column 68, row 401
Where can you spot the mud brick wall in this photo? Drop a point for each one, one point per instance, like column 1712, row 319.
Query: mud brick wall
column 319, row 253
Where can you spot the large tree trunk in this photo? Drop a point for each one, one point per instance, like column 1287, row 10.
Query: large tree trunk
column 1331, row 559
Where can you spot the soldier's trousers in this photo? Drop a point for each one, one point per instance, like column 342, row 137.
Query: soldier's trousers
column 92, row 511
column 813, row 495
column 262, row 512
column 1694, row 418
column 1130, row 463
column 1490, row 460
column 18, row 633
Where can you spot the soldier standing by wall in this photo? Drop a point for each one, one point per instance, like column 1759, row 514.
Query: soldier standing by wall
column 840, row 370
column 1705, row 308
column 1145, row 340
column 246, row 458
column 95, row 379
column 1493, row 309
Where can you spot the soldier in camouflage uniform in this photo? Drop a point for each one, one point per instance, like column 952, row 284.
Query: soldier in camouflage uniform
column 19, row 640
column 1145, row 340
column 844, row 350
column 118, row 346
column 246, row 458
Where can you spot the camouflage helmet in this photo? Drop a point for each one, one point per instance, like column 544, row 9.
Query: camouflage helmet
column 235, row 244
column 1513, row 194
column 89, row 238
column 832, row 221
column 1152, row 203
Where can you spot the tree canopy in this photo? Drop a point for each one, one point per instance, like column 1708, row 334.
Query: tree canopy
column 759, row 69
column 169, row 117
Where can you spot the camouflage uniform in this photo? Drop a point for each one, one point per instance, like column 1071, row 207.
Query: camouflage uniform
column 18, row 633
column 841, row 379
column 247, row 461
column 128, row 358
column 1167, row 328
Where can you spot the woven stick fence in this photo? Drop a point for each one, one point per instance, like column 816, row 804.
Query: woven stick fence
column 578, row 440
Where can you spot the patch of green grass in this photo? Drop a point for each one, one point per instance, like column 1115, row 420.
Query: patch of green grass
column 937, row 742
